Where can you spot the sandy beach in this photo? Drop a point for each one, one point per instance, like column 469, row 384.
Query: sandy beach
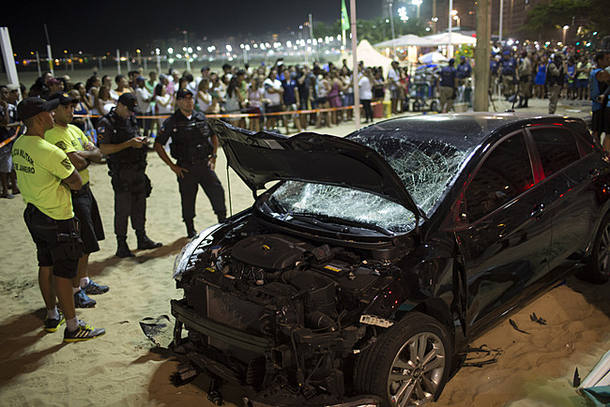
column 118, row 369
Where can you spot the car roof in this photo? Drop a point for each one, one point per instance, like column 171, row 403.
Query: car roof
column 462, row 130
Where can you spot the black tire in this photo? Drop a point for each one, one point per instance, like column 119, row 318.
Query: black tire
column 373, row 366
column 434, row 107
column 598, row 268
column 416, row 107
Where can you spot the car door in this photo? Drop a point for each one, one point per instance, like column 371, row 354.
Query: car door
column 504, row 231
column 568, row 176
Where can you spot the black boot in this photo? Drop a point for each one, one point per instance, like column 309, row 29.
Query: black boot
column 144, row 243
column 221, row 217
column 190, row 229
column 525, row 103
column 122, row 249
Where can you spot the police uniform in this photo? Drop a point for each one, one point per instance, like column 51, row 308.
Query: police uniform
column 508, row 69
column 48, row 215
column 447, row 86
column 129, row 181
column 192, row 148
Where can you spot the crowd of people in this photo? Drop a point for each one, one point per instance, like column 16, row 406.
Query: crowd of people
column 524, row 72
column 254, row 93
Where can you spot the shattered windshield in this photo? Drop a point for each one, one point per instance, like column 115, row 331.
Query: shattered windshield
column 425, row 168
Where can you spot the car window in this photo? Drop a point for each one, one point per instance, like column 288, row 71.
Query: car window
column 556, row 147
column 585, row 144
column 505, row 174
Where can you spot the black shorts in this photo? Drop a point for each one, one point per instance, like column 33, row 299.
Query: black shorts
column 273, row 108
column 57, row 242
column 88, row 215
column 600, row 121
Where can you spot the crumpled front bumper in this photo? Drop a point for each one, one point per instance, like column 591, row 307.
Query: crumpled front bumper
column 188, row 317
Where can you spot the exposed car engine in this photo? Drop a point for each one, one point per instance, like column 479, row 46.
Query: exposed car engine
column 291, row 309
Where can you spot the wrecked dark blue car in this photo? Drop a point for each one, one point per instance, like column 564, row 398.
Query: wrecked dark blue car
column 362, row 275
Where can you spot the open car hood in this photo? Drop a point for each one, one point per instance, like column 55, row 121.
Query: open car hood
column 317, row 158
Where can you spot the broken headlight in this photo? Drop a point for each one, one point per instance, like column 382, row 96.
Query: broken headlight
column 201, row 241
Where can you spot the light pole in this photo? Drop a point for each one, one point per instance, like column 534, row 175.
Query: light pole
column 565, row 30
column 418, row 4
column 392, row 19
column 501, row 20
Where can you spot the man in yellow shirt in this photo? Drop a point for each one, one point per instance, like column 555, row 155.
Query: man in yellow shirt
column 45, row 177
column 72, row 141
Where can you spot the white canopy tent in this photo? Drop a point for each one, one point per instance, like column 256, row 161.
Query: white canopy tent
column 445, row 39
column 402, row 41
column 369, row 56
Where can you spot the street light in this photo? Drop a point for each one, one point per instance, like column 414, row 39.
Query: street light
column 457, row 19
column 565, row 30
column 402, row 13
column 417, row 3
column 454, row 15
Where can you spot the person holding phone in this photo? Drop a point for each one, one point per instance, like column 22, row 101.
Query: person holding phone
column 120, row 141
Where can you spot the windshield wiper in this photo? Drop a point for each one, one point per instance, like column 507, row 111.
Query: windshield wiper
column 321, row 220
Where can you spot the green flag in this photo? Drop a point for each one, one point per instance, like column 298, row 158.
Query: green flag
column 344, row 17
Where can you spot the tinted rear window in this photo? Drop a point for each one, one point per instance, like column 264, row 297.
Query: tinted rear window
column 557, row 148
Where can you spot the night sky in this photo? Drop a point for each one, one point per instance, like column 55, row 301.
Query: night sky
column 96, row 27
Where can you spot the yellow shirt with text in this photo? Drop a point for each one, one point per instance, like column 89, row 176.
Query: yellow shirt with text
column 69, row 139
column 40, row 168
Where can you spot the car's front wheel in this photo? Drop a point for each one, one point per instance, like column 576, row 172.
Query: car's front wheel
column 409, row 364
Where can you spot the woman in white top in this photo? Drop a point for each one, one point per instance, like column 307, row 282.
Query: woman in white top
column 163, row 102
column 103, row 101
column 233, row 103
column 204, row 99
column 366, row 93
column 255, row 103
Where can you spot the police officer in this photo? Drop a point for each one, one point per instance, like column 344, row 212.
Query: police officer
column 45, row 176
column 120, row 140
column 464, row 70
column 194, row 149
column 508, row 70
column 448, row 86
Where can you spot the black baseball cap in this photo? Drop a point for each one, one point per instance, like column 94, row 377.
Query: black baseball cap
column 129, row 100
column 64, row 98
column 182, row 93
column 30, row 107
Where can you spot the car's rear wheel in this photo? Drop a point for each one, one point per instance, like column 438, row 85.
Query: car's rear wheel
column 409, row 364
column 598, row 269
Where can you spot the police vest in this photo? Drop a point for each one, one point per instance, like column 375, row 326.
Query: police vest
column 121, row 130
column 508, row 67
column 191, row 139
column 448, row 76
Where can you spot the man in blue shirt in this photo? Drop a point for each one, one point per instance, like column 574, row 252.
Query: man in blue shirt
column 448, row 85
